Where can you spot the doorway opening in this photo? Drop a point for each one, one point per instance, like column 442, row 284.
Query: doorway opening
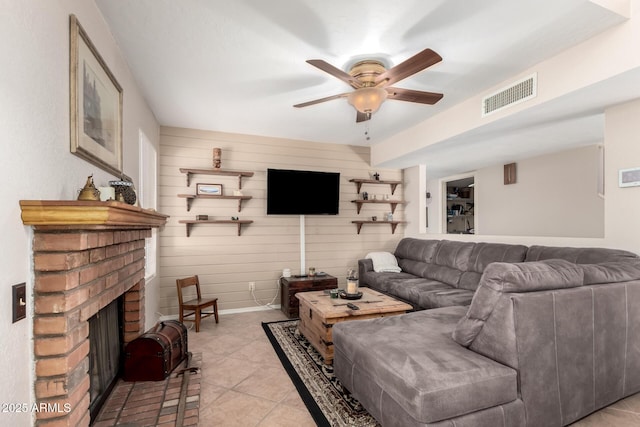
column 459, row 205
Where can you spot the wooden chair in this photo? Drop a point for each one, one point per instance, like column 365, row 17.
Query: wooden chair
column 196, row 306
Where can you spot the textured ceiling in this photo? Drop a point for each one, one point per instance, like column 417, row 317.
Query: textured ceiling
column 239, row 66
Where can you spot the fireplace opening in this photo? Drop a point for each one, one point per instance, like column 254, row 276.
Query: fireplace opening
column 106, row 339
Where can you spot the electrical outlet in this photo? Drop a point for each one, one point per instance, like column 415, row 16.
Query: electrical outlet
column 252, row 286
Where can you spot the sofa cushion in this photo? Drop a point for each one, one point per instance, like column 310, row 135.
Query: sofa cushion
column 444, row 297
column 416, row 249
column 484, row 254
column 449, row 262
column 578, row 255
column 414, row 360
column 382, row 281
column 611, row 272
column 411, row 290
column 500, row 278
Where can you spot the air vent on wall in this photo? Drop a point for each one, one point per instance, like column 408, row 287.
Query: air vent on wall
column 516, row 93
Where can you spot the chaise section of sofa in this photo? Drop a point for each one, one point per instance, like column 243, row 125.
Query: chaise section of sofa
column 413, row 374
column 563, row 334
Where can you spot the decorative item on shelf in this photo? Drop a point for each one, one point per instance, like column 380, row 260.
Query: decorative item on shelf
column 237, row 193
column 217, row 157
column 389, row 216
column 374, row 218
column 209, row 189
column 107, row 193
column 202, row 217
column 376, row 176
column 365, row 195
column 89, row 191
column 234, row 218
column 386, row 197
column 124, row 191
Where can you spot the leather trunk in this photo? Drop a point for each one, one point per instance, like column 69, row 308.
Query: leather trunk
column 153, row 355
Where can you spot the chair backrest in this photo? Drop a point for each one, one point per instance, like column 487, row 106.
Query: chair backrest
column 186, row 282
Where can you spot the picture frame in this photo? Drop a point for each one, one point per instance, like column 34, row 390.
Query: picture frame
column 95, row 104
column 209, row 189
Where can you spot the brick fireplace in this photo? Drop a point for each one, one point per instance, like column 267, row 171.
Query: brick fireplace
column 85, row 255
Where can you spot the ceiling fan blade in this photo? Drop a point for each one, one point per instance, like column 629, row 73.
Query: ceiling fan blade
column 318, row 101
column 335, row 72
column 409, row 95
column 416, row 63
column 362, row 117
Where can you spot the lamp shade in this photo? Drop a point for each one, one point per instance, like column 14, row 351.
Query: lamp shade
column 367, row 99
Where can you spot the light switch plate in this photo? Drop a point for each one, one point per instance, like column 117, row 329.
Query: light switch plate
column 19, row 298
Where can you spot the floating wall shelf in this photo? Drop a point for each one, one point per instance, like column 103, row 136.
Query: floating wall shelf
column 393, row 203
column 359, row 183
column 222, row 172
column 393, row 224
column 190, row 223
column 191, row 197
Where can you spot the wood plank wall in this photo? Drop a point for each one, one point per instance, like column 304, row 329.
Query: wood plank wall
column 225, row 262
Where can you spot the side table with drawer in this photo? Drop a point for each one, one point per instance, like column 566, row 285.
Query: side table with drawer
column 289, row 286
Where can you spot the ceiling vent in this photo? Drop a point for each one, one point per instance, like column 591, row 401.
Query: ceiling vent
column 516, row 93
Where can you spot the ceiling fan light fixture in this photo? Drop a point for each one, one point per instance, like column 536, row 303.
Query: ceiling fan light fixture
column 367, row 99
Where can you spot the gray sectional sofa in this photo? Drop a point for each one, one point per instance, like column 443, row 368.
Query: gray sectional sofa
column 546, row 340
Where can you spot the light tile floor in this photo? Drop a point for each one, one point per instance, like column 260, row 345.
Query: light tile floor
column 244, row 384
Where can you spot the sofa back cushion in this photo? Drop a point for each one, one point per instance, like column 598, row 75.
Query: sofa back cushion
column 449, row 262
column 415, row 255
column 484, row 254
column 416, row 249
column 578, row 255
column 503, row 278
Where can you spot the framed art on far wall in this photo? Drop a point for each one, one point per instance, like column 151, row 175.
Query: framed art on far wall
column 209, row 189
column 95, row 104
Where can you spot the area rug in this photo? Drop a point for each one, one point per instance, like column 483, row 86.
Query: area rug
column 328, row 402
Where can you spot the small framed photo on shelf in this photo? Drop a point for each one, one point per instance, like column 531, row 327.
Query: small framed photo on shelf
column 209, row 189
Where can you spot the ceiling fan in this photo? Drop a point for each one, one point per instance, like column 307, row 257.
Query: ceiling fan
column 372, row 83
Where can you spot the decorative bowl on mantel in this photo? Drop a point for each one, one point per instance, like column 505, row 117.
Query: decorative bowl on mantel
column 125, row 188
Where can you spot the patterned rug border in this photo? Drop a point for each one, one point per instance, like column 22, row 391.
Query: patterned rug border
column 332, row 405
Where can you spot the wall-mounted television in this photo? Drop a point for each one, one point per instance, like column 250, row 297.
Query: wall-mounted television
column 300, row 192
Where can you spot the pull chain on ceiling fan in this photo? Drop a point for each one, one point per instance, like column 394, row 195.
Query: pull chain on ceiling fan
column 372, row 83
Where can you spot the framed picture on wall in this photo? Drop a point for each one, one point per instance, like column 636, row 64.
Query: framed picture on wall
column 96, row 104
column 209, row 189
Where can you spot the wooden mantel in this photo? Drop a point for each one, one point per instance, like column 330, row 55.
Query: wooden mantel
column 76, row 214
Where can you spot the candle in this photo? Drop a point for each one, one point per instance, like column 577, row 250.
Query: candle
column 352, row 287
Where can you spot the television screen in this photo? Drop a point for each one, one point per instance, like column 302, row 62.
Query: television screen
column 297, row 192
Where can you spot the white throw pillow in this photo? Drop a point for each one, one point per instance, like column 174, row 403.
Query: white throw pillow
column 384, row 262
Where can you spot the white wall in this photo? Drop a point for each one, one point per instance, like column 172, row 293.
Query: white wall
column 622, row 151
column 35, row 161
column 562, row 201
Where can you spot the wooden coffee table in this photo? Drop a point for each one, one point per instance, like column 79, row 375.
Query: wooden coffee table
column 319, row 312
